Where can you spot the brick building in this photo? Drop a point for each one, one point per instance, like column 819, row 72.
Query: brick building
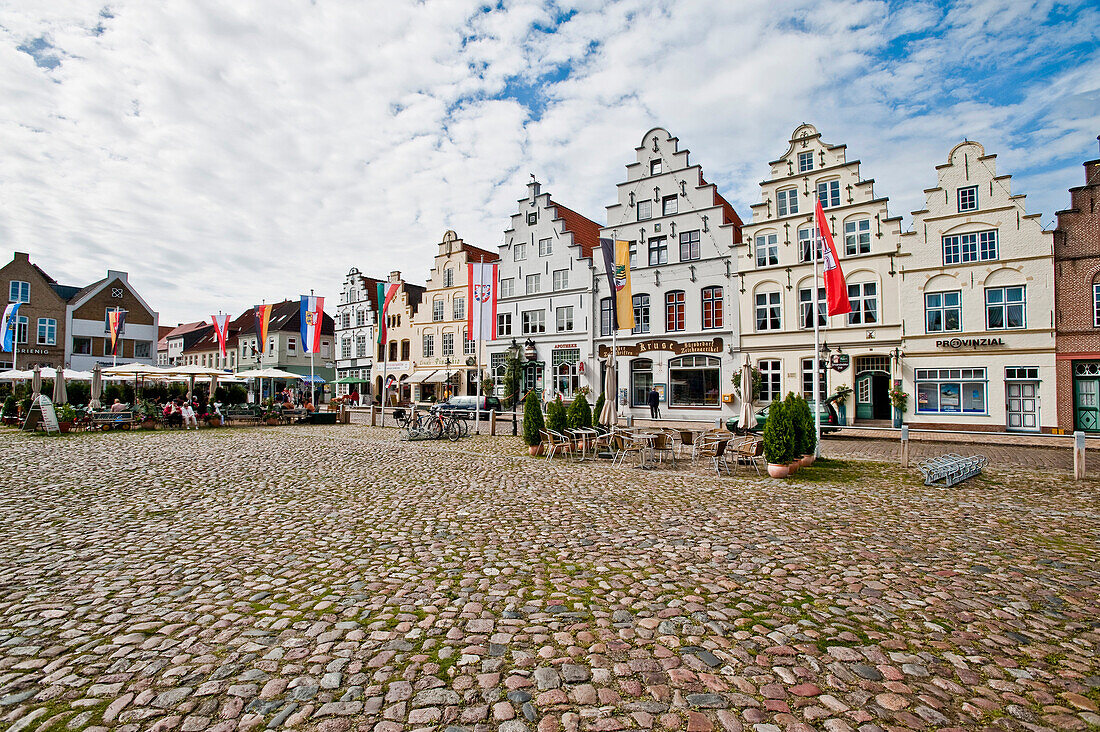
column 1077, row 305
column 40, row 340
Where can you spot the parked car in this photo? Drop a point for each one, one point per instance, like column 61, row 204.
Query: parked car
column 829, row 420
column 464, row 406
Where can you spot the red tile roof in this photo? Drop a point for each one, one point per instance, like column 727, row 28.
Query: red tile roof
column 586, row 232
column 476, row 254
column 729, row 216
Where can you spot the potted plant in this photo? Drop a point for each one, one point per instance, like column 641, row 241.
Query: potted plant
column 147, row 410
column 790, row 403
column 10, row 411
column 778, row 440
column 556, row 418
column 66, row 415
column 597, row 410
column 899, row 399
column 840, row 397
column 807, row 433
column 533, row 424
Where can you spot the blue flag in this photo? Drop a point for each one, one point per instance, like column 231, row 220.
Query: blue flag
column 11, row 323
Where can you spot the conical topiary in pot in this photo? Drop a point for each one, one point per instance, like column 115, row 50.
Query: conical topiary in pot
column 533, row 424
column 807, row 432
column 778, row 440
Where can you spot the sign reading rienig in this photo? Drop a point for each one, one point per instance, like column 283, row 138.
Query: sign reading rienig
column 664, row 344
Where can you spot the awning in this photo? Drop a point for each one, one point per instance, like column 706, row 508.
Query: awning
column 439, row 377
column 422, row 377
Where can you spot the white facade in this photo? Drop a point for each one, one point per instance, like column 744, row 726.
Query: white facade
column 977, row 295
column 777, row 280
column 355, row 334
column 85, row 322
column 545, row 300
column 684, row 279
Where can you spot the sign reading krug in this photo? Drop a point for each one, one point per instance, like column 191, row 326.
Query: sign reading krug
column 665, row 344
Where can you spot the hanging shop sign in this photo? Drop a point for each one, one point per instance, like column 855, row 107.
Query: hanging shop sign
column 665, row 344
column 840, row 361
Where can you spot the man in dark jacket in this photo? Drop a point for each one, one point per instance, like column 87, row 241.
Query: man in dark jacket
column 654, row 402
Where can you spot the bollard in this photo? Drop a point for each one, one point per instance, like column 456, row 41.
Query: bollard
column 1078, row 455
column 373, row 418
column 718, row 422
column 905, row 446
column 630, row 420
column 493, row 423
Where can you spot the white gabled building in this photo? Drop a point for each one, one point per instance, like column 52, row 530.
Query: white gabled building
column 684, row 284
column 777, row 280
column 355, row 335
column 545, row 301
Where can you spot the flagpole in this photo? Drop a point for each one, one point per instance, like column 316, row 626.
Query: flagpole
column 816, row 355
column 15, row 341
column 312, row 383
column 477, row 360
column 114, row 349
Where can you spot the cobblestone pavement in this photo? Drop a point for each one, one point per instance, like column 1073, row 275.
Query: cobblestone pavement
column 331, row 578
column 1058, row 458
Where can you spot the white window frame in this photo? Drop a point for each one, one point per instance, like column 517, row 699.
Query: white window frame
column 641, row 305
column 532, row 284
column 966, row 198
column 50, row 325
column 533, row 322
column 857, row 237
column 771, row 379
column 448, row 277
column 507, row 286
column 519, row 252
column 428, row 345
column 863, row 297
column 438, row 309
column 769, row 304
column 1096, row 305
column 458, row 307
column 19, row 291
column 563, row 317
column 786, row 202
column 942, row 308
column 546, row 247
column 504, row 324
column 447, row 344
column 805, row 161
column 973, row 246
column 1004, row 304
column 805, row 305
column 831, row 191
column 561, row 279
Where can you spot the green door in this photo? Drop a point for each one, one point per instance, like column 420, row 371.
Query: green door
column 864, row 402
column 1086, row 404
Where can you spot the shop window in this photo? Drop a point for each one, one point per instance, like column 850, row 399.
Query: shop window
column 641, row 381
column 943, row 311
column 693, row 381
column 712, row 308
column 674, row 311
column 564, row 362
column 951, row 391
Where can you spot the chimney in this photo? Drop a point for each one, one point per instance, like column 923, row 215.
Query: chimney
column 395, row 276
column 21, row 257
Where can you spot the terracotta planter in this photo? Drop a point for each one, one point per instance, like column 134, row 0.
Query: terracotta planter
column 272, row 422
column 215, row 422
column 793, row 467
column 534, row 450
column 149, row 424
column 807, row 460
column 64, row 427
column 778, row 471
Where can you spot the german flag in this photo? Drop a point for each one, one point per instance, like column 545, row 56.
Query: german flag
column 263, row 319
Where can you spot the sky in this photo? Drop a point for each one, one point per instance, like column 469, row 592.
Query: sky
column 228, row 153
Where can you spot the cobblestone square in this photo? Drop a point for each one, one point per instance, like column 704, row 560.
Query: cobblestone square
column 332, row 578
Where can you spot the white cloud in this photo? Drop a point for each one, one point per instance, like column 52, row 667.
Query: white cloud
column 227, row 153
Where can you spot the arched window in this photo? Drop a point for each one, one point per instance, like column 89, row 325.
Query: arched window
column 693, row 381
column 641, row 381
column 405, row 350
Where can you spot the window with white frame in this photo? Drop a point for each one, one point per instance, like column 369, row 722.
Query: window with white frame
column 448, row 348
column 47, row 332
column 806, row 307
column 645, row 210
column 968, row 199
column 806, row 237
column 668, row 205
column 863, row 297
column 437, row 309
column 1096, row 305
column 674, row 311
column 360, row 318
column 641, row 381
column 534, row 321
column 828, row 192
column 977, row 246
column 712, row 307
column 607, row 316
column 951, row 391
column 1004, row 308
column 429, row 345
column 561, row 279
column 693, row 381
column 345, row 320
column 771, row 380
column 546, row 247
column 345, row 348
column 360, row 346
column 767, row 250
column 507, row 287
column 655, row 167
column 564, row 362
column 633, row 249
column 448, row 277
column 689, row 246
column 519, row 252
column 808, row 377
column 504, row 324
column 19, row 291
column 805, row 161
column 942, row 311
column 467, row 344
column 641, row 314
column 460, row 308
column 857, row 237
column 564, row 317
column 533, row 284
column 787, row 201
column 658, row 251
column 768, row 311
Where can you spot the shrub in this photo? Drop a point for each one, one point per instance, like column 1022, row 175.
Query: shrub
column 9, row 406
column 580, row 414
column 598, row 409
column 805, row 427
column 532, row 420
column 556, row 419
column 778, row 436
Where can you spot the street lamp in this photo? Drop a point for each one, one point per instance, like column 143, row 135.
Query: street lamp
column 447, row 379
column 513, row 369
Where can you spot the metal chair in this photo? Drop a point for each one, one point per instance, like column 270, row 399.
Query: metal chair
column 664, row 445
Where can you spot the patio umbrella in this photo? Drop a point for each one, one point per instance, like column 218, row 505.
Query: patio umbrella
column 36, row 383
column 609, row 415
column 213, row 387
column 96, row 390
column 14, row 375
column 60, row 396
column 746, row 418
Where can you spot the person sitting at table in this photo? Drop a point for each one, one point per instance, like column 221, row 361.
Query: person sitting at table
column 118, row 406
column 187, row 414
column 172, row 414
column 308, row 406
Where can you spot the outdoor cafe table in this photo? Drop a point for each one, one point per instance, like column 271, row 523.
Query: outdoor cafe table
column 647, row 439
column 585, row 436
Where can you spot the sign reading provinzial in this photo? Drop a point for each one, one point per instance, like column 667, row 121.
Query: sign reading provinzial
column 970, row 342
column 665, row 344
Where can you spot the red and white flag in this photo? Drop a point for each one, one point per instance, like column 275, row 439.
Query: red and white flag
column 312, row 314
column 221, row 327
column 836, row 290
column 481, row 290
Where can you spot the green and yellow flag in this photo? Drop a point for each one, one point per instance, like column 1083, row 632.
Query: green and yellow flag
column 616, row 259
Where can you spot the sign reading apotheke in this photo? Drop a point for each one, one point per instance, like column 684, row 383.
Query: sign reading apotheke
column 665, row 344
column 970, row 343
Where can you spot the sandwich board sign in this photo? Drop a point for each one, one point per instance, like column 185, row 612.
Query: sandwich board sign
column 42, row 411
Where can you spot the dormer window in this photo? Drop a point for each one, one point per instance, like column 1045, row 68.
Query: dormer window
column 805, row 161
column 968, row 199
column 655, row 167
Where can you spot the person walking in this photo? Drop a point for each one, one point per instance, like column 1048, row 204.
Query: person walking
column 354, row 396
column 654, row 402
column 188, row 414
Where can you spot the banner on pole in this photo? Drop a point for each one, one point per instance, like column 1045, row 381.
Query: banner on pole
column 11, row 325
column 481, row 293
column 262, row 321
column 221, row 327
column 312, row 315
column 116, row 321
column 386, row 294
column 616, row 259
